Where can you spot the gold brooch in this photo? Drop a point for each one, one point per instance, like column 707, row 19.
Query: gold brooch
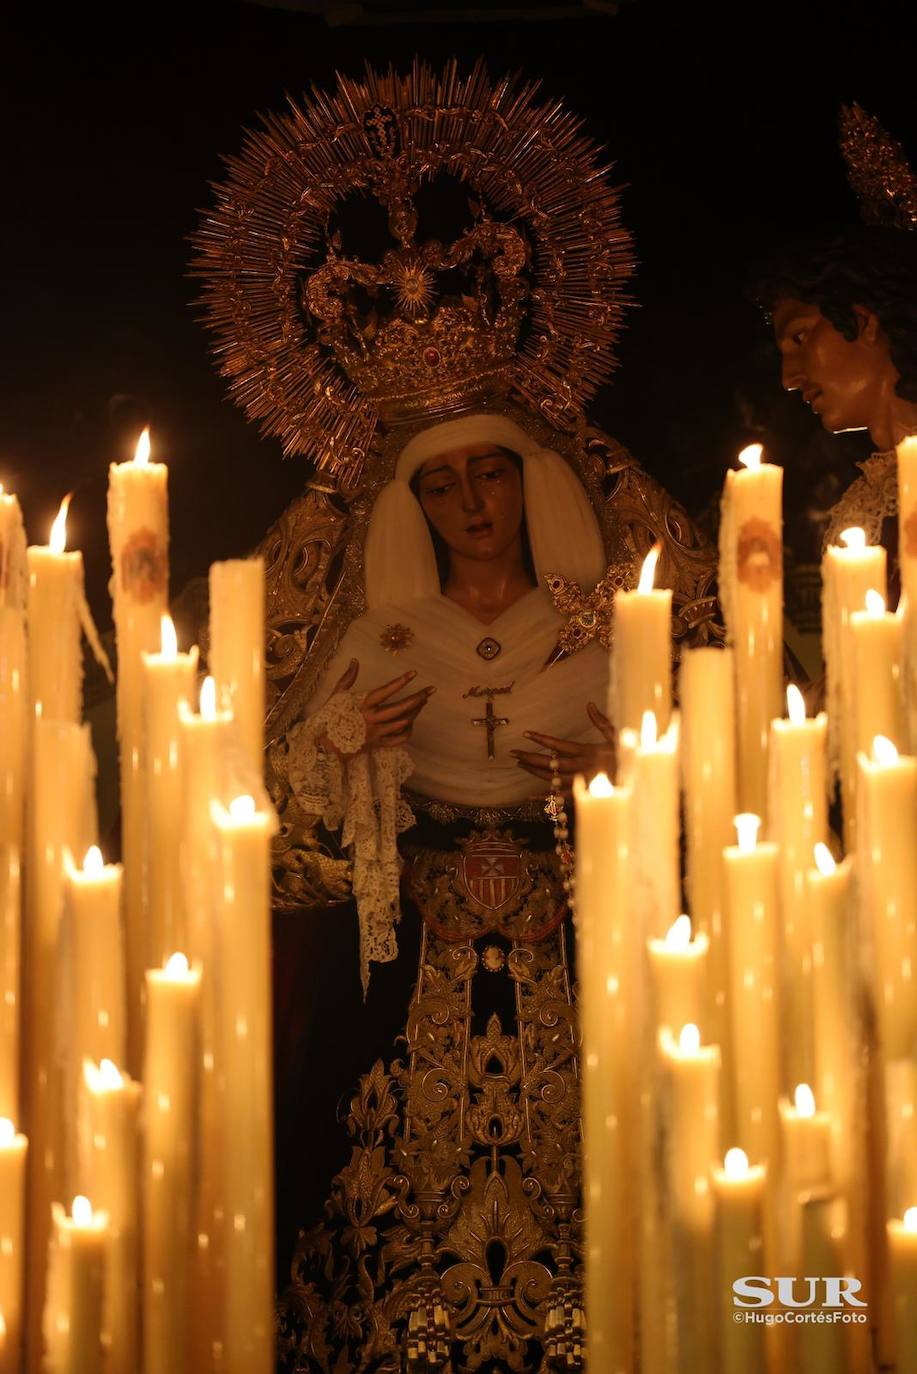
column 589, row 615
column 394, row 638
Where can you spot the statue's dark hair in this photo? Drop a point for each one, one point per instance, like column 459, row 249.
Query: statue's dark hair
column 441, row 548
column 871, row 267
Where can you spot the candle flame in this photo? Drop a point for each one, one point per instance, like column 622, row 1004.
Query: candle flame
column 57, row 542
column 93, row 864
column 209, row 699
column 168, row 637
column 648, row 571
column 804, row 1100
column 795, row 705
column 747, row 826
column 242, row 808
column 751, row 456
column 824, row 860
column 176, row 963
column 910, row 1219
column 689, row 1039
column 104, row 1077
column 875, row 603
column 81, row 1211
column 648, row 731
column 142, row 451
column 7, row 1132
column 601, row 786
column 884, row 750
column 854, row 538
column 735, row 1163
column 678, row 935
column 110, row 1074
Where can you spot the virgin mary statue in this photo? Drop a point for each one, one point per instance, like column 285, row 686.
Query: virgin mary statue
column 441, row 609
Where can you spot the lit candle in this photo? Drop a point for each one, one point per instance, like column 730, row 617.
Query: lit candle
column 902, row 1245
column 707, row 692
column 62, row 821
column 244, row 837
column 678, row 965
column 10, row 970
column 169, row 1070
column 237, row 646
column 848, row 574
column 168, row 680
column 840, row 1037
column 76, row 1267
column 13, row 723
column 138, row 531
column 641, row 662
column 753, row 903
column 609, row 986
column 13, row 1151
column 690, row 1086
column 806, row 1140
column 876, row 636
column 112, row 1172
column 97, row 1030
column 798, row 811
column 206, row 742
column 739, row 1193
column 888, row 873
column 54, row 603
column 751, row 592
column 650, row 764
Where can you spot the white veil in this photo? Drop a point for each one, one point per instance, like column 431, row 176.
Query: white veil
column 399, row 561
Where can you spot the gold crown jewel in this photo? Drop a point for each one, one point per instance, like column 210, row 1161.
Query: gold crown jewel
column 878, row 170
column 321, row 346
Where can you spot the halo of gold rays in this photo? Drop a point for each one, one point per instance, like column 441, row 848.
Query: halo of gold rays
column 527, row 161
column 878, row 170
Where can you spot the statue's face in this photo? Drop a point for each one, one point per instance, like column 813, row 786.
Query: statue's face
column 472, row 497
column 843, row 380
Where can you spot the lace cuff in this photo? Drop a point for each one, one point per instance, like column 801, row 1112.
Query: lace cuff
column 361, row 793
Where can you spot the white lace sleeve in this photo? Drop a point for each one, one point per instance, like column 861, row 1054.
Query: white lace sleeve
column 361, row 794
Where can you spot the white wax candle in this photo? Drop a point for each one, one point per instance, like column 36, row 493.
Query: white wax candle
column 641, row 662
column 753, row 904
column 848, row 573
column 902, row 1246
column 13, row 1152
column 138, row 530
column 13, row 724
column 76, row 1268
column 798, row 811
column 237, row 647
column 168, row 681
column 54, row 600
column 10, row 970
column 244, row 837
column 751, row 592
column 170, row 1060
column 649, row 763
column 823, row 1348
column 888, row 874
column 610, row 976
column 876, row 637
column 112, row 1171
column 690, row 1086
column 707, row 693
column 12, row 553
column 739, row 1193
column 678, row 965
column 62, row 821
column 207, row 740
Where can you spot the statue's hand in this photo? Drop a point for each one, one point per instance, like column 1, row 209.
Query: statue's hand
column 572, row 756
column 389, row 718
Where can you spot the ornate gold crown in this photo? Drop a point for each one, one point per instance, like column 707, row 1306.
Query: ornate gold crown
column 319, row 346
column 878, row 170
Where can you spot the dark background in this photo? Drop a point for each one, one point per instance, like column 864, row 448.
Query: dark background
column 721, row 121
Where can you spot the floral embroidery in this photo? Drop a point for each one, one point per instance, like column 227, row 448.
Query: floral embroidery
column 394, row 638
